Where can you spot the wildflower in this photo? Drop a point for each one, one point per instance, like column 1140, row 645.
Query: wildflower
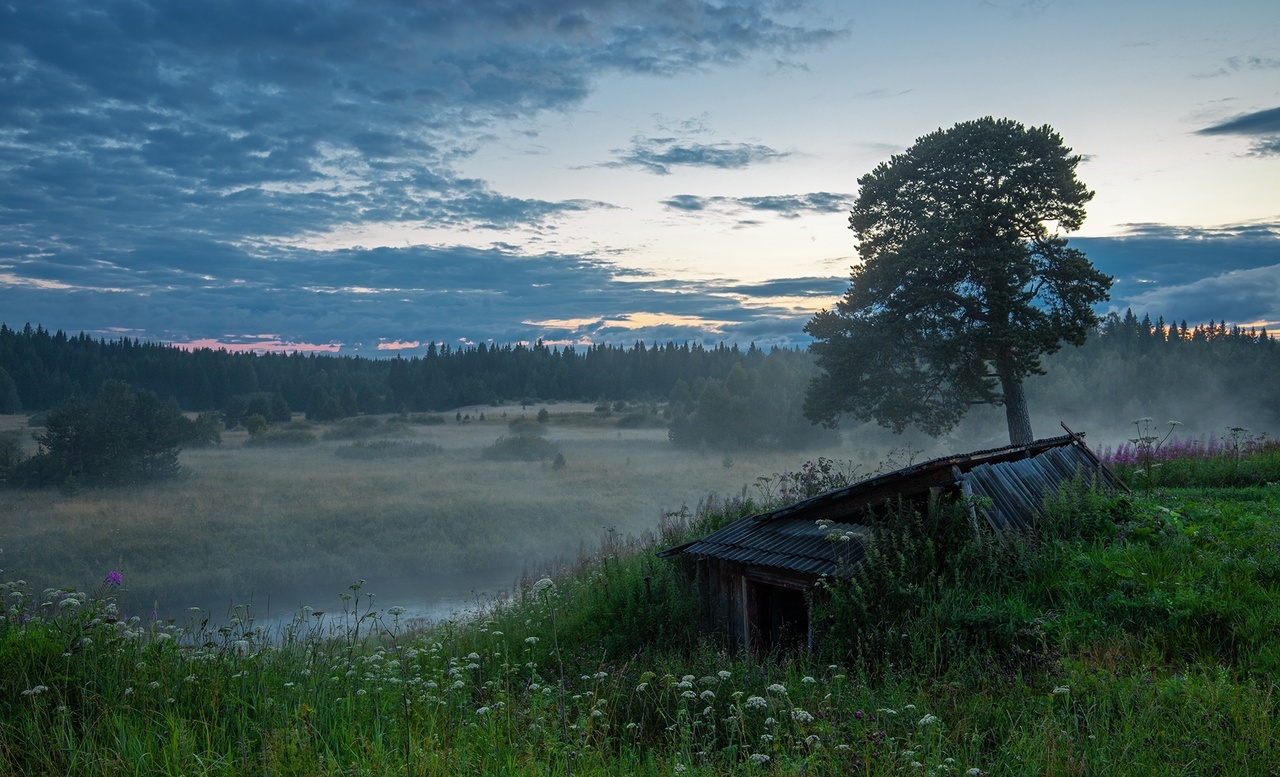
column 114, row 579
column 640, row 688
column 482, row 711
column 530, row 640
column 807, row 680
column 724, row 674
column 396, row 611
column 707, row 695
column 543, row 586
column 1061, row 690
column 927, row 720
column 688, row 695
column 801, row 716
column 973, row 772
column 812, row 740
column 756, row 702
column 777, row 688
column 759, row 758
column 680, row 767
column 36, row 691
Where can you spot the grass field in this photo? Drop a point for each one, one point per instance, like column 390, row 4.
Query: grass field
column 1135, row 636
column 288, row 525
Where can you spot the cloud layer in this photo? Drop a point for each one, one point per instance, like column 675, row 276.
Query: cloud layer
column 158, row 157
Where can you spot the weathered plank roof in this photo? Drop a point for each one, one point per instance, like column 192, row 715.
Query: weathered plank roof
column 1014, row 479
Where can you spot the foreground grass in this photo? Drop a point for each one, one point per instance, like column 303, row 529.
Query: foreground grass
column 1136, row 638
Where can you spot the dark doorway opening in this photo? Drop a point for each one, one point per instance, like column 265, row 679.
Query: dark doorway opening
column 779, row 618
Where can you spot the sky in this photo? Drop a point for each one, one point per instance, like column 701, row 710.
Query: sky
column 368, row 176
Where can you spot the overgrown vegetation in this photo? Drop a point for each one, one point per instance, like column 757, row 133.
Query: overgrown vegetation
column 1133, row 634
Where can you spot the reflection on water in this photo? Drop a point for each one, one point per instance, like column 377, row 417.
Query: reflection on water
column 356, row 612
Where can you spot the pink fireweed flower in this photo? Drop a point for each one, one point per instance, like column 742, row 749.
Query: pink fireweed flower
column 113, row 578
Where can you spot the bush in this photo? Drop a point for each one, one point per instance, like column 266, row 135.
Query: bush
column 521, row 447
column 524, row 425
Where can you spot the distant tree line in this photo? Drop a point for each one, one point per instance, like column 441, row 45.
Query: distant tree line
column 40, row 369
column 1199, row 375
column 722, row 397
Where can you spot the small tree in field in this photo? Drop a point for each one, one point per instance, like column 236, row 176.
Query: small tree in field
column 966, row 280
column 122, row 436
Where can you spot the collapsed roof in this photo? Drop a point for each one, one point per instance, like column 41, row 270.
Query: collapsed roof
column 822, row 535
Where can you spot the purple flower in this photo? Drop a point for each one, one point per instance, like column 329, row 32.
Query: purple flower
column 113, row 578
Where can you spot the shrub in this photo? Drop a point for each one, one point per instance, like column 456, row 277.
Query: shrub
column 524, row 425
column 521, row 447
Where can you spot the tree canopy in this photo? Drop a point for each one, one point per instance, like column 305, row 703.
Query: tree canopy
column 122, row 436
column 966, row 280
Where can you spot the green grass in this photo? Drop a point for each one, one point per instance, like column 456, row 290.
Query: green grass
column 1136, row 636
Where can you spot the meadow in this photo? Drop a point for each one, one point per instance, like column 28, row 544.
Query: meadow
column 1134, row 634
column 413, row 508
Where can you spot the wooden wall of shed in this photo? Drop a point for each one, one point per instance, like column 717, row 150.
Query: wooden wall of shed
column 723, row 591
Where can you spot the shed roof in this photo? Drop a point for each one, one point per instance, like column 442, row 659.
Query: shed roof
column 1014, row 479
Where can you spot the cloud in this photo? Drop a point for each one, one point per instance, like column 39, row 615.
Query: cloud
column 1257, row 123
column 659, row 155
column 1263, row 126
column 176, row 168
column 1253, row 63
column 784, row 205
column 368, row 301
column 1192, row 273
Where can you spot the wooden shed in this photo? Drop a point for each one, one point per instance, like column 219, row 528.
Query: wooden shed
column 755, row 576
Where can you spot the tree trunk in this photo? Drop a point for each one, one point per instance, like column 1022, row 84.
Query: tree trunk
column 1015, row 409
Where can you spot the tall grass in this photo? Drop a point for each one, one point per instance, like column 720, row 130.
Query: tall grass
column 1132, row 635
column 284, row 526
